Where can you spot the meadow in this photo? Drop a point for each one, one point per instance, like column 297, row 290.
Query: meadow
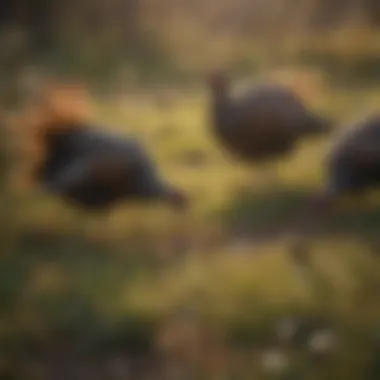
column 202, row 296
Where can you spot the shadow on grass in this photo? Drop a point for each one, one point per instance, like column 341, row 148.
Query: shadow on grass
column 77, row 252
column 271, row 212
column 84, row 324
column 62, row 296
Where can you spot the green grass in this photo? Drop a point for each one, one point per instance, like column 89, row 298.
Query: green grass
column 225, row 194
column 124, row 270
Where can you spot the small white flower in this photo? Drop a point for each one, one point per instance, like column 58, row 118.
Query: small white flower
column 274, row 361
column 322, row 342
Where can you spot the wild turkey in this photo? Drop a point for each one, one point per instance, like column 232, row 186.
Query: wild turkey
column 352, row 168
column 96, row 169
column 262, row 124
column 353, row 165
column 88, row 167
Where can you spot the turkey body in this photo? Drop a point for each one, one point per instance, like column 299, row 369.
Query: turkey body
column 95, row 170
column 263, row 123
column 352, row 168
column 353, row 165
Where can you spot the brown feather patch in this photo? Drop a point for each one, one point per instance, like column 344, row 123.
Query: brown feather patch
column 56, row 106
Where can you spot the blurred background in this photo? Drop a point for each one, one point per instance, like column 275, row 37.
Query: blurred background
column 120, row 297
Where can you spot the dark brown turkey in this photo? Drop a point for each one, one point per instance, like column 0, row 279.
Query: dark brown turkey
column 353, row 165
column 96, row 170
column 86, row 165
column 352, row 168
column 264, row 123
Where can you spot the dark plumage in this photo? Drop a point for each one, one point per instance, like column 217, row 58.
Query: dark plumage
column 84, row 165
column 96, row 170
column 262, row 124
column 352, row 168
column 353, row 165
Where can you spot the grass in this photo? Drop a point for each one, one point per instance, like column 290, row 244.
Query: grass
column 218, row 299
